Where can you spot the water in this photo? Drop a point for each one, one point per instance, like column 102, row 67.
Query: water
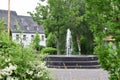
column 68, row 43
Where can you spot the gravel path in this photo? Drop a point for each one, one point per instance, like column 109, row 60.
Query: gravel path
column 78, row 74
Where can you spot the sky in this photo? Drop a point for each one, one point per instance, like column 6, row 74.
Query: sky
column 20, row 6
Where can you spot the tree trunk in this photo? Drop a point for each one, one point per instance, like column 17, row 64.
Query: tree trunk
column 58, row 45
column 58, row 41
column 78, row 43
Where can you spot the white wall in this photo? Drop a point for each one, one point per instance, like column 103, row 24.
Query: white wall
column 28, row 38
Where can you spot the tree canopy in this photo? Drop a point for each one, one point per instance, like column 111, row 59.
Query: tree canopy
column 53, row 16
column 104, row 19
column 59, row 15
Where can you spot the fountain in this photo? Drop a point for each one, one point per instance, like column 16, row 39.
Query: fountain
column 68, row 43
column 71, row 61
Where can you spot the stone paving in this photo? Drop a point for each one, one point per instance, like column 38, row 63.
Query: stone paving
column 78, row 74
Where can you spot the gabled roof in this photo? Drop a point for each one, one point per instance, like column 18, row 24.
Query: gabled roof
column 26, row 23
column 29, row 25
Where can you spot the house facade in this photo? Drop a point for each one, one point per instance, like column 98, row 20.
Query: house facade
column 23, row 28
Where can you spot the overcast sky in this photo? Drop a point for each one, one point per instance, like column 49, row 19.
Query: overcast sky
column 20, row 6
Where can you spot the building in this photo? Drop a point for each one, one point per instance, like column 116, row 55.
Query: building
column 23, row 28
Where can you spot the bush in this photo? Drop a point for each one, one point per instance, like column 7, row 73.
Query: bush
column 18, row 63
column 51, row 40
column 49, row 50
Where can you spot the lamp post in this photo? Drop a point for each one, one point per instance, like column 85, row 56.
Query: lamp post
column 8, row 19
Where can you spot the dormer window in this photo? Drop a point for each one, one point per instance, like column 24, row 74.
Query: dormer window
column 15, row 27
column 5, row 24
column 27, row 28
column 36, row 28
column 22, row 20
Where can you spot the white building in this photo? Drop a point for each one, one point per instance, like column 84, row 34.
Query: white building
column 23, row 28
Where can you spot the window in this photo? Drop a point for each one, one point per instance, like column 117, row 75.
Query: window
column 36, row 28
column 24, row 37
column 15, row 27
column 32, row 37
column 17, row 37
column 22, row 20
column 5, row 24
column 42, row 37
column 27, row 27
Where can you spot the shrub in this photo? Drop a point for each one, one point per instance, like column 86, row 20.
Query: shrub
column 18, row 63
column 51, row 40
column 49, row 50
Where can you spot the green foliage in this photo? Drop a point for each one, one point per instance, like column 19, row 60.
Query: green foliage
column 79, row 28
column 49, row 50
column 2, row 27
column 18, row 63
column 59, row 15
column 54, row 17
column 109, row 59
column 51, row 41
column 87, row 44
column 36, row 42
column 104, row 20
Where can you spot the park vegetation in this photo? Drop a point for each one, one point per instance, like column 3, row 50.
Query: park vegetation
column 18, row 62
column 59, row 15
column 88, row 20
column 104, row 20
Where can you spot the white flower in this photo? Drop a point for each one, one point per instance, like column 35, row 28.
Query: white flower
column 29, row 72
column 8, row 78
column 12, row 78
column 8, row 70
column 12, row 67
column 39, row 74
column 0, row 77
column 7, row 60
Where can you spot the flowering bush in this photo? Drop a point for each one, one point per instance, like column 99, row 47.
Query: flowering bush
column 19, row 63
column 8, row 70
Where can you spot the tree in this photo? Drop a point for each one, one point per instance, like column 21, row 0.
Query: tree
column 51, row 41
column 79, row 27
column 2, row 27
column 57, row 19
column 78, row 19
column 104, row 20
column 54, row 17
column 36, row 42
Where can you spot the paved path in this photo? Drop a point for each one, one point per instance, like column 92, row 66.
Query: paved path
column 78, row 74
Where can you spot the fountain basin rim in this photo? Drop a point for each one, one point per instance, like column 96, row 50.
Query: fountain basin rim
column 71, row 55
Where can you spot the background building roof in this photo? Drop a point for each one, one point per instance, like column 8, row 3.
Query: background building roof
column 21, row 23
